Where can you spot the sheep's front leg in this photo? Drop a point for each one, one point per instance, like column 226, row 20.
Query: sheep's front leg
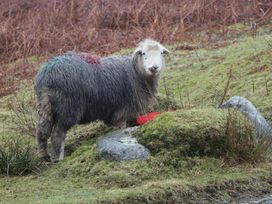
column 57, row 142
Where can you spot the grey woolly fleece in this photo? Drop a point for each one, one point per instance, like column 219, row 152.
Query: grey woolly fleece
column 112, row 91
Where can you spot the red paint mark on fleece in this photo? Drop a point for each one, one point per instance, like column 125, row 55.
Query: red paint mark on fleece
column 145, row 118
column 89, row 58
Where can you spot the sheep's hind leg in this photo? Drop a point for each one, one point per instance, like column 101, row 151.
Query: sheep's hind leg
column 57, row 142
column 43, row 132
column 44, row 128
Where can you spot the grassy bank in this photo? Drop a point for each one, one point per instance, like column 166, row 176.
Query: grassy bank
column 194, row 158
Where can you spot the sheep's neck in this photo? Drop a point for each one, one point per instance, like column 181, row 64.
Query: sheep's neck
column 144, row 92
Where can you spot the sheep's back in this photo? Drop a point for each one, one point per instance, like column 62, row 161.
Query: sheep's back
column 98, row 88
column 71, row 73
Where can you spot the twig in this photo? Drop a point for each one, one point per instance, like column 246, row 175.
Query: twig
column 226, row 87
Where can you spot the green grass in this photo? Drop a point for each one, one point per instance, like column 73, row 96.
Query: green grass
column 195, row 132
column 52, row 187
column 201, row 75
column 188, row 146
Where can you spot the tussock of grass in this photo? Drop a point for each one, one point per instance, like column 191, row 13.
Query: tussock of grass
column 17, row 156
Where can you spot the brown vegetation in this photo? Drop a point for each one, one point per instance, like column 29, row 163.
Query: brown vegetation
column 29, row 27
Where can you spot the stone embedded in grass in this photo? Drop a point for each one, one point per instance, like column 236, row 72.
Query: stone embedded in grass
column 121, row 146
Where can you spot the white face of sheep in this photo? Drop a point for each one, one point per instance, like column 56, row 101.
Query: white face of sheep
column 151, row 58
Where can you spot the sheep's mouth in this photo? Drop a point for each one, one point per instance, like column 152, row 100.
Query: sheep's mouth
column 153, row 72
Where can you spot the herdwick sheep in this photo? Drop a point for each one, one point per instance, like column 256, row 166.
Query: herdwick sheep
column 263, row 129
column 70, row 91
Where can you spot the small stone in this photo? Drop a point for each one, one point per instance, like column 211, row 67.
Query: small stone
column 121, row 146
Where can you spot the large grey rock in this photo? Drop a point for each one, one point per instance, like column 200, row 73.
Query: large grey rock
column 263, row 129
column 121, row 146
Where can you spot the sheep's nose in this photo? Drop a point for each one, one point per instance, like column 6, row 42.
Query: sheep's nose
column 154, row 68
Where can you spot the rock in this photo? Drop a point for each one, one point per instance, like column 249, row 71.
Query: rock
column 121, row 146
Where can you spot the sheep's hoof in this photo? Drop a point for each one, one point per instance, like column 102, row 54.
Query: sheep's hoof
column 55, row 161
column 46, row 158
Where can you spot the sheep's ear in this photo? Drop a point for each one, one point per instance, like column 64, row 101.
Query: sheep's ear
column 138, row 52
column 165, row 51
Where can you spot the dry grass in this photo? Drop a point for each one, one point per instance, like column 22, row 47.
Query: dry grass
column 17, row 157
column 46, row 28
column 31, row 27
column 242, row 146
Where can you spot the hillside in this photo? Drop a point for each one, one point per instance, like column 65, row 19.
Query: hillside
column 192, row 157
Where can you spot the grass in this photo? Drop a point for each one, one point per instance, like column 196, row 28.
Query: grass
column 202, row 132
column 204, row 75
column 186, row 132
column 191, row 150
column 17, row 157
column 199, row 173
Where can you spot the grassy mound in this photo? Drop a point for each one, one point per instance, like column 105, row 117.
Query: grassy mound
column 202, row 132
column 169, row 153
column 195, row 132
column 179, row 142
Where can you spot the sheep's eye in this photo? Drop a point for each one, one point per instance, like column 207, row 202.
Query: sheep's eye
column 143, row 53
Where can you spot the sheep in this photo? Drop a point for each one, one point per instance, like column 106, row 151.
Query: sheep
column 71, row 91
